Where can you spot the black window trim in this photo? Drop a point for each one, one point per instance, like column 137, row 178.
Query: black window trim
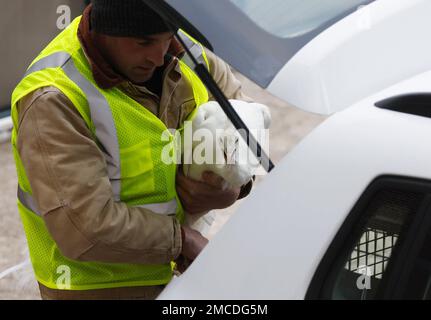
column 414, row 103
column 399, row 273
column 401, row 263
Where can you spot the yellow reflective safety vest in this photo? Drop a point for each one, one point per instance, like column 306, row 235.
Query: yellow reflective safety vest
column 130, row 137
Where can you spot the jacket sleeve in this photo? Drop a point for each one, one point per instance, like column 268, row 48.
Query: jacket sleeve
column 68, row 176
column 225, row 78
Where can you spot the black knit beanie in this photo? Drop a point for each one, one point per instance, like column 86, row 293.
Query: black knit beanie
column 125, row 18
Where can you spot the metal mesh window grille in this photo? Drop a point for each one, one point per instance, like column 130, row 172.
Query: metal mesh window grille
column 371, row 255
column 385, row 218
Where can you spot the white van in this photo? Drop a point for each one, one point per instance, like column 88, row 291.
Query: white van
column 347, row 213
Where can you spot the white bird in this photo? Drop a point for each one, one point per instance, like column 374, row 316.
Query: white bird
column 218, row 147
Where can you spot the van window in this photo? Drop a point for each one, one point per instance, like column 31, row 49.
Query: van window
column 293, row 18
column 360, row 269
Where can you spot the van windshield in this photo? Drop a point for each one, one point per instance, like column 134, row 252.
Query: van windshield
column 293, row 18
column 259, row 37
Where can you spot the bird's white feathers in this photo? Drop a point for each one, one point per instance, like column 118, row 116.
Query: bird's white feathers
column 231, row 158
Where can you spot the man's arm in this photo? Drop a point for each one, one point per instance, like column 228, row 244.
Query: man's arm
column 68, row 177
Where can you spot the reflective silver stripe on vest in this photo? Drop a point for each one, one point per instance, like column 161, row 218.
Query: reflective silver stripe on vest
column 194, row 48
column 54, row 60
column 103, row 121
column 162, row 208
column 166, row 208
column 27, row 201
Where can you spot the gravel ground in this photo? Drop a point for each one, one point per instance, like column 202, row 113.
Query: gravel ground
column 289, row 126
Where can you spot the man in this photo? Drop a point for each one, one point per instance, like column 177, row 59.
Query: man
column 101, row 212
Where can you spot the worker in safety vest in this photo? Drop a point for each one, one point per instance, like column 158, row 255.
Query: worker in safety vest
column 101, row 211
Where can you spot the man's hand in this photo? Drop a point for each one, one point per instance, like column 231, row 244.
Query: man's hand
column 193, row 243
column 202, row 196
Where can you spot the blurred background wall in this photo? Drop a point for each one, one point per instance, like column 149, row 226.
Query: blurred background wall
column 26, row 27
